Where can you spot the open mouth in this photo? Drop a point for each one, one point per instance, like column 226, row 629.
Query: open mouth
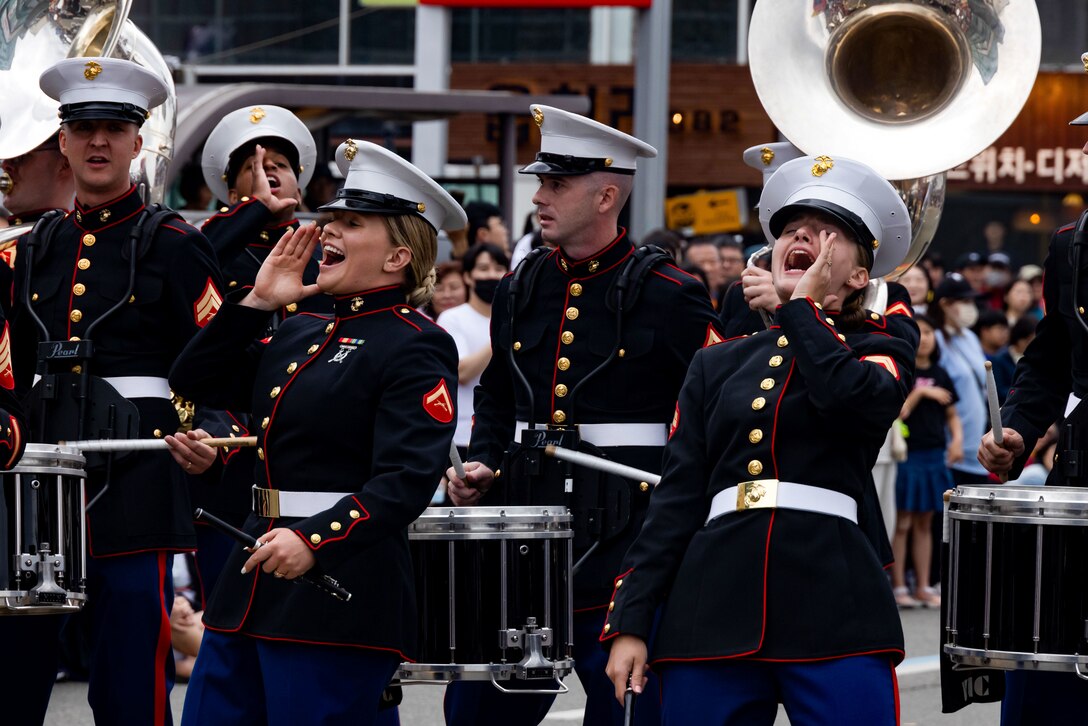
column 98, row 161
column 332, row 255
column 273, row 183
column 799, row 260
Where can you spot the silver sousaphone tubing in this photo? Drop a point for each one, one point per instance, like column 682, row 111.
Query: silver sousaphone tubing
column 912, row 88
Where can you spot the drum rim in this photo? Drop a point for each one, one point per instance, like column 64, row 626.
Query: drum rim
column 50, row 459
column 475, row 671
column 1015, row 659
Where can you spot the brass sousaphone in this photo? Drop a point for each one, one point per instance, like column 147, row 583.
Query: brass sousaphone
column 912, row 88
column 35, row 34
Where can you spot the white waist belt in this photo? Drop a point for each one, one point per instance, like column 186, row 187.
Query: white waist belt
column 772, row 493
column 614, row 434
column 135, row 386
column 275, row 503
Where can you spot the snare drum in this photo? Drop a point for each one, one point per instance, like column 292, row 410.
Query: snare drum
column 43, row 554
column 1018, row 574
column 493, row 586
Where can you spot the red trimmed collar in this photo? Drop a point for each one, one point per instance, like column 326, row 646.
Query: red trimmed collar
column 93, row 219
column 367, row 301
column 610, row 256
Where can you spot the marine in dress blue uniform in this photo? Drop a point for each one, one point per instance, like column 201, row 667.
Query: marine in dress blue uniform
column 262, row 187
column 161, row 290
column 771, row 591
column 355, row 417
column 611, row 378
column 1050, row 384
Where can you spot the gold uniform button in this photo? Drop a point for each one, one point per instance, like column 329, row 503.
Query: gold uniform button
column 567, row 337
column 291, row 368
column 315, row 538
column 312, row 349
column 245, row 199
column 264, row 423
column 874, row 316
column 575, row 289
column 335, row 526
column 77, row 369
column 611, row 606
column 560, row 390
column 755, row 435
column 607, row 627
column 354, row 514
column 1081, row 310
column 759, row 403
column 831, row 321
column 157, row 433
column 328, row 328
column 34, row 297
column 563, row 364
column 89, row 240
column 842, row 337
column 755, row 467
column 76, row 316
column 132, row 298
column 572, row 313
column 818, row 306
column 767, row 384
column 621, row 352
column 84, row 264
column 74, row 338
column 260, row 453
column 776, row 360
column 782, row 341
column 644, row 486
column 79, row 288
column 232, row 283
column 559, row 417
column 292, row 307
column 224, row 209
column 618, row 583
column 234, row 427
column 274, row 392
column 517, row 345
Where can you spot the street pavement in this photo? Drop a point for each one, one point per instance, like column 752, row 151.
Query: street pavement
column 920, row 694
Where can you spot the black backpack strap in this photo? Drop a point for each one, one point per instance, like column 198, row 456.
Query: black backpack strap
column 524, row 278
column 148, row 223
column 42, row 233
column 634, row 272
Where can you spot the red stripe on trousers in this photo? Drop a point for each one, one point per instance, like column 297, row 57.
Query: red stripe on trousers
column 162, row 647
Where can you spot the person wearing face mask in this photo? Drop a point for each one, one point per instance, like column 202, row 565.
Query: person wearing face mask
column 769, row 590
column 470, row 325
column 955, row 312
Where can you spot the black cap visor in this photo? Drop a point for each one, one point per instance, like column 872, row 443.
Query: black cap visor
column 847, row 219
column 249, row 148
column 566, row 165
column 364, row 202
column 102, row 111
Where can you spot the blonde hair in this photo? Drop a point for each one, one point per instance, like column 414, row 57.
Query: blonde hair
column 420, row 238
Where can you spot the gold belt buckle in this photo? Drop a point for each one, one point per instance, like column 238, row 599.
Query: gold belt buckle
column 757, row 494
column 266, row 502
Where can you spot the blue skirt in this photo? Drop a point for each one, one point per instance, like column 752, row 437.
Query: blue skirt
column 921, row 481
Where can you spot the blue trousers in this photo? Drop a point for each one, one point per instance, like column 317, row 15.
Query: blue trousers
column 854, row 690
column 478, row 703
column 244, row 681
column 1039, row 697
column 132, row 665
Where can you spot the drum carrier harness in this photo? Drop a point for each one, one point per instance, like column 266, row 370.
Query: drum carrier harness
column 601, row 504
column 59, row 399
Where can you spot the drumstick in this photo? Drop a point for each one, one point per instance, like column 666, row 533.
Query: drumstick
column 323, row 583
column 628, row 704
column 150, row 444
column 605, row 465
column 995, row 407
column 995, row 411
column 455, row 460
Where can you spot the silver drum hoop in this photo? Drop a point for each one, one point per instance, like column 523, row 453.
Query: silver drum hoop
column 51, row 459
column 1013, row 660
column 1020, row 504
column 483, row 523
